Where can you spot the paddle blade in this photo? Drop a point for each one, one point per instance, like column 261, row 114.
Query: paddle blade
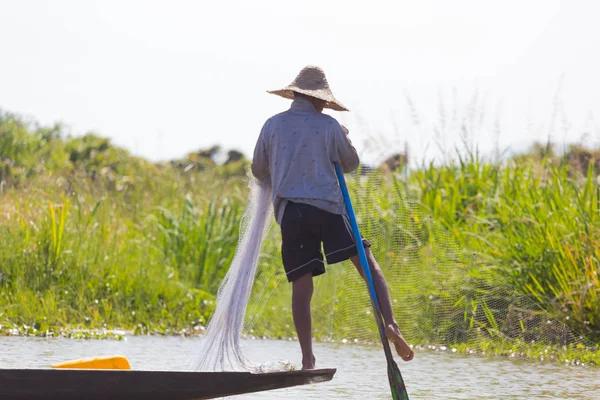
column 396, row 382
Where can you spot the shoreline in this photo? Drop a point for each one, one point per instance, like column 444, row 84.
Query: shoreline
column 579, row 356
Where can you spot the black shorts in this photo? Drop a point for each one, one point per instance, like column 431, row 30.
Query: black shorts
column 303, row 229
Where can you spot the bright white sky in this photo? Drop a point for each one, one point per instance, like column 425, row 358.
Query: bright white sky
column 164, row 78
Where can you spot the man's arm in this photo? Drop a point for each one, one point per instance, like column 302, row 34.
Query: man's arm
column 260, row 159
column 345, row 153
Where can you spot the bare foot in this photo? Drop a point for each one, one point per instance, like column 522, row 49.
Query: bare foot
column 402, row 347
column 309, row 365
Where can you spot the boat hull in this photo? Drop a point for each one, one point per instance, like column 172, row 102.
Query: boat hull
column 71, row 384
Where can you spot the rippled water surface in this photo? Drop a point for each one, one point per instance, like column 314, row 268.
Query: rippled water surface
column 361, row 372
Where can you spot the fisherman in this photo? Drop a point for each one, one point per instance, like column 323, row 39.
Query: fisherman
column 296, row 150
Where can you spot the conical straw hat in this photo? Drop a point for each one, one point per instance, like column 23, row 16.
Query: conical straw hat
column 311, row 81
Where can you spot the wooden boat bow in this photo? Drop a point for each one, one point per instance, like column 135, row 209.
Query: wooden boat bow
column 71, row 384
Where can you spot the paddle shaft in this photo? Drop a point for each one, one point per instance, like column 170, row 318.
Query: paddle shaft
column 362, row 257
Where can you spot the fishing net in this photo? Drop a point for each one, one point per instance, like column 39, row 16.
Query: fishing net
column 221, row 349
column 445, row 299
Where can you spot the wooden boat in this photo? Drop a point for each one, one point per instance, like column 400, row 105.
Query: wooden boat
column 88, row 384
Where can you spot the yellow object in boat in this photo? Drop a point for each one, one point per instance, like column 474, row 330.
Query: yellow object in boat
column 107, row 362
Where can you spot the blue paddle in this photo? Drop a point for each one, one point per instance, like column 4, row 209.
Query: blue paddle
column 394, row 377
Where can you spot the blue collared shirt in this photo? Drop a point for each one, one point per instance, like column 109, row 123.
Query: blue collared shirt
column 296, row 150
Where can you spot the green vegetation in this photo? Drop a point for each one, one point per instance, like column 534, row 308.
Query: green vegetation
column 537, row 224
column 94, row 238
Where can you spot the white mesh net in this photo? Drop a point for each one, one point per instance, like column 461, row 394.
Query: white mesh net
column 443, row 298
column 221, row 348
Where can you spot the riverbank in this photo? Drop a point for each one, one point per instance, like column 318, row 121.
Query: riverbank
column 529, row 352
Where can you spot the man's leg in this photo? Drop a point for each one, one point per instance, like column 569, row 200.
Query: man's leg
column 302, row 260
column 383, row 296
column 302, row 290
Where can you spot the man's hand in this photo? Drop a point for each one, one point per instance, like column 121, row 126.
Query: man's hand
column 345, row 129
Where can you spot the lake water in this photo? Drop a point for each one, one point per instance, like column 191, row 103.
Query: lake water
column 361, row 371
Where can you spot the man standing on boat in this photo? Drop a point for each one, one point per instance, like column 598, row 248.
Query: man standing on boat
column 297, row 150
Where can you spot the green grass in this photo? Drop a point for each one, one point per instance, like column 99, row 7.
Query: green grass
column 536, row 225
